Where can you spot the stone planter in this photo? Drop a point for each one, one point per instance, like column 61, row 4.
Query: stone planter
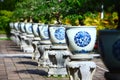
column 44, row 43
column 12, row 31
column 58, row 52
column 81, row 41
column 35, row 29
column 16, row 26
column 22, row 34
column 43, row 32
column 109, row 45
column 27, row 38
column 57, row 34
column 22, row 27
column 36, row 40
column 16, row 33
column 28, row 28
column 11, row 24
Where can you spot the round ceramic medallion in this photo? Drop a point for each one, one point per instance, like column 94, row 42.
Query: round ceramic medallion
column 60, row 33
column 82, row 38
column 45, row 32
column 116, row 49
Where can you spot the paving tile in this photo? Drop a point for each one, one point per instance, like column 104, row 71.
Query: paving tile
column 19, row 65
column 3, row 78
column 24, row 68
column 13, row 77
column 39, row 78
column 3, row 72
column 10, row 69
column 2, row 68
column 20, row 68
column 28, row 79
column 23, row 75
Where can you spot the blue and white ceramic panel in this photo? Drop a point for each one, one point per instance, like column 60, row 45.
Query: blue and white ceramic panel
column 16, row 26
column 60, row 33
column 43, row 32
column 11, row 25
column 22, row 27
column 81, row 39
column 57, row 34
column 35, row 29
column 28, row 28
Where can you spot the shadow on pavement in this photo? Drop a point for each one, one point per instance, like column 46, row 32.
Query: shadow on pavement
column 28, row 63
column 33, row 71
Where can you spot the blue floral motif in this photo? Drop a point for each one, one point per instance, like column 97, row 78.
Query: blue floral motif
column 116, row 49
column 60, row 33
column 37, row 30
column 30, row 28
column 81, row 51
column 46, row 31
column 82, row 38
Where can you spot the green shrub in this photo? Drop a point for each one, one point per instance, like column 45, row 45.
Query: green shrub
column 110, row 20
column 5, row 18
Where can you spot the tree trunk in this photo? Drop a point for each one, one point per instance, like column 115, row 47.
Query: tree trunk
column 57, row 15
column 81, row 22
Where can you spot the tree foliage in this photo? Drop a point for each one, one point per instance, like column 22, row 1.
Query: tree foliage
column 8, row 4
column 113, row 5
column 48, row 10
column 55, row 8
column 5, row 18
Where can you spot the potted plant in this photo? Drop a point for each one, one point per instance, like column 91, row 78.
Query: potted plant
column 81, row 40
column 57, row 34
column 109, row 45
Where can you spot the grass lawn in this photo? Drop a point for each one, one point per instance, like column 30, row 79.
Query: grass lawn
column 5, row 38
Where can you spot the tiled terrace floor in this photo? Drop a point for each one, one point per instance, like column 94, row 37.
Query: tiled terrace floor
column 24, row 68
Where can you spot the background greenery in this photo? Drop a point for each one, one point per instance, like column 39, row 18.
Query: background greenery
column 5, row 18
column 70, row 12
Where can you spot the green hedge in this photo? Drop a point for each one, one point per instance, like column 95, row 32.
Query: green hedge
column 5, row 18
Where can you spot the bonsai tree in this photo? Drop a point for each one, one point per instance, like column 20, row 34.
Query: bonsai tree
column 51, row 10
column 26, row 9
column 61, row 9
column 48, row 10
column 76, row 9
column 39, row 10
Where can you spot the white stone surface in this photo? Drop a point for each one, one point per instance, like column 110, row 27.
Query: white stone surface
column 81, row 70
